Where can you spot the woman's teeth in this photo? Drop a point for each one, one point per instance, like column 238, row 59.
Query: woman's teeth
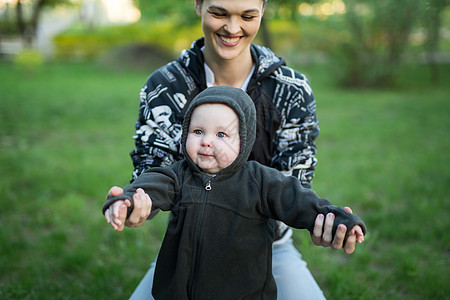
column 229, row 40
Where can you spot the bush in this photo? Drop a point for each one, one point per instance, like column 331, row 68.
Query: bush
column 135, row 57
column 81, row 42
column 8, row 28
column 28, row 60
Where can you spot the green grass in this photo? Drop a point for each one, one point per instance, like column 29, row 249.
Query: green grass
column 65, row 134
column 386, row 155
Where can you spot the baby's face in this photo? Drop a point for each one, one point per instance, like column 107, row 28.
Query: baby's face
column 213, row 140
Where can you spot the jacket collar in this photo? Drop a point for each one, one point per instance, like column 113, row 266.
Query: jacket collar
column 265, row 62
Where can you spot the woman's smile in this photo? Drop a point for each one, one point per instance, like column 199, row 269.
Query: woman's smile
column 229, row 41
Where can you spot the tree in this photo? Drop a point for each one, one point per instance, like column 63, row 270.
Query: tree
column 27, row 28
column 432, row 23
column 178, row 11
column 377, row 34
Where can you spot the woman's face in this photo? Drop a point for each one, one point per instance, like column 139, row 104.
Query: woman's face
column 229, row 26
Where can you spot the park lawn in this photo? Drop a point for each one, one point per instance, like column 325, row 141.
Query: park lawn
column 65, row 134
column 385, row 153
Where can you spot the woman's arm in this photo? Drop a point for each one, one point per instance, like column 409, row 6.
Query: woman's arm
column 294, row 147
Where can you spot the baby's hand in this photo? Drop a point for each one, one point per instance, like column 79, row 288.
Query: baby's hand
column 116, row 214
column 358, row 233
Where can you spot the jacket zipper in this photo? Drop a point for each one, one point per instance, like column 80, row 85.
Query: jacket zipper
column 208, row 186
column 197, row 256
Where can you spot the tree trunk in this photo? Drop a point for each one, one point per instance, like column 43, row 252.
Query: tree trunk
column 434, row 24
column 20, row 20
column 36, row 15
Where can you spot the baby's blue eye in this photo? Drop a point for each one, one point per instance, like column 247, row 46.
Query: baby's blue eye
column 198, row 131
column 221, row 134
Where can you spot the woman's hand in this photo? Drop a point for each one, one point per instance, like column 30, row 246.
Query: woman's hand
column 141, row 211
column 322, row 234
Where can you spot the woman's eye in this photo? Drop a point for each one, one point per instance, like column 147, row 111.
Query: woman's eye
column 248, row 18
column 217, row 14
column 221, row 134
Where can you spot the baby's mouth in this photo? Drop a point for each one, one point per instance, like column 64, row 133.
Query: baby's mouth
column 206, row 155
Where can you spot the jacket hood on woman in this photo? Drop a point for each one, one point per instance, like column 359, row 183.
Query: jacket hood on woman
column 243, row 105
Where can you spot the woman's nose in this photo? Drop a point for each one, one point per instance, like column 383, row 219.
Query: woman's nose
column 232, row 26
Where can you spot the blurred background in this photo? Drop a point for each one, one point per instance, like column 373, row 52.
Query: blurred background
column 70, row 75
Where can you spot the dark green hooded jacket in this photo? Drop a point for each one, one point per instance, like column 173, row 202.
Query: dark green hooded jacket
column 218, row 244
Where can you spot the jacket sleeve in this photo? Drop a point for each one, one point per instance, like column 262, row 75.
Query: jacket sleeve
column 160, row 183
column 286, row 200
column 158, row 127
column 295, row 149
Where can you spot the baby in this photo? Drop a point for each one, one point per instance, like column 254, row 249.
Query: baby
column 218, row 244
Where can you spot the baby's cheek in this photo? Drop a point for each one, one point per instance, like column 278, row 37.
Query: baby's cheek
column 191, row 148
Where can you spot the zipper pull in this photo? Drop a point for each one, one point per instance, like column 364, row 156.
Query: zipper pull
column 208, row 186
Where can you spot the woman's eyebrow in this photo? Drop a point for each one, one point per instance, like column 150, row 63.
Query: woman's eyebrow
column 252, row 10
column 218, row 8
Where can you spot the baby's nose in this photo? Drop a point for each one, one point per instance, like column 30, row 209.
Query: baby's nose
column 207, row 140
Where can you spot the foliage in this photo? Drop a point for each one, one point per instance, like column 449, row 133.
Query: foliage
column 285, row 9
column 65, row 135
column 432, row 23
column 28, row 60
column 180, row 12
column 82, row 42
column 27, row 27
column 375, row 36
column 8, row 28
column 183, row 12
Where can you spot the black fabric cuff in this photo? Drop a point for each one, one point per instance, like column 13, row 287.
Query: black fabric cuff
column 112, row 200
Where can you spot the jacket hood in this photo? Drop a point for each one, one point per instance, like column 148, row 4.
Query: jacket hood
column 242, row 104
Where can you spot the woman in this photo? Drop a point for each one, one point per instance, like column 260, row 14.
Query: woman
column 287, row 126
